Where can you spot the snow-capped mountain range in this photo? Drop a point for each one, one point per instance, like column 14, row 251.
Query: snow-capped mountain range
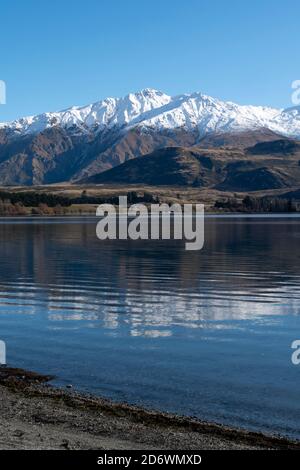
column 80, row 142
column 152, row 109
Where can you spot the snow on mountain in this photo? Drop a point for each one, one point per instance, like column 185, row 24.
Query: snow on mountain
column 153, row 109
column 209, row 115
column 109, row 112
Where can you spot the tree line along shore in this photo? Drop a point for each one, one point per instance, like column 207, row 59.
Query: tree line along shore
column 77, row 201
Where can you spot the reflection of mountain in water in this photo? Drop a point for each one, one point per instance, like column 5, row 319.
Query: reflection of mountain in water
column 247, row 270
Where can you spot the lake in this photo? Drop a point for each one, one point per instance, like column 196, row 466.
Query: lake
column 205, row 334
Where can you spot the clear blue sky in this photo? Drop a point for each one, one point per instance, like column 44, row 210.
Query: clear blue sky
column 62, row 52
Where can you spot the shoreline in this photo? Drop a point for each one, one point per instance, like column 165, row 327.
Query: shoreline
column 37, row 415
column 209, row 214
column 65, row 199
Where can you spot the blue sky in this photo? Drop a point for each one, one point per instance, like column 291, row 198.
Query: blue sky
column 68, row 52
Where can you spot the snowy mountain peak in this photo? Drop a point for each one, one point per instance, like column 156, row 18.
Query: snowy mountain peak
column 150, row 108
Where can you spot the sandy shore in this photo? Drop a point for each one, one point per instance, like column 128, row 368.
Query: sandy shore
column 35, row 415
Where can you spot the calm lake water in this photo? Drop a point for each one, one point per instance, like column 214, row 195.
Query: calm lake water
column 205, row 334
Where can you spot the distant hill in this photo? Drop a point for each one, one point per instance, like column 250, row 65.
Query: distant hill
column 168, row 166
column 222, row 168
column 275, row 147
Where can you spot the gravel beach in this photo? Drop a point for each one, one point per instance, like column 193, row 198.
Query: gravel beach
column 35, row 415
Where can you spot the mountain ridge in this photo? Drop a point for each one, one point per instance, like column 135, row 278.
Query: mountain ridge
column 150, row 108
